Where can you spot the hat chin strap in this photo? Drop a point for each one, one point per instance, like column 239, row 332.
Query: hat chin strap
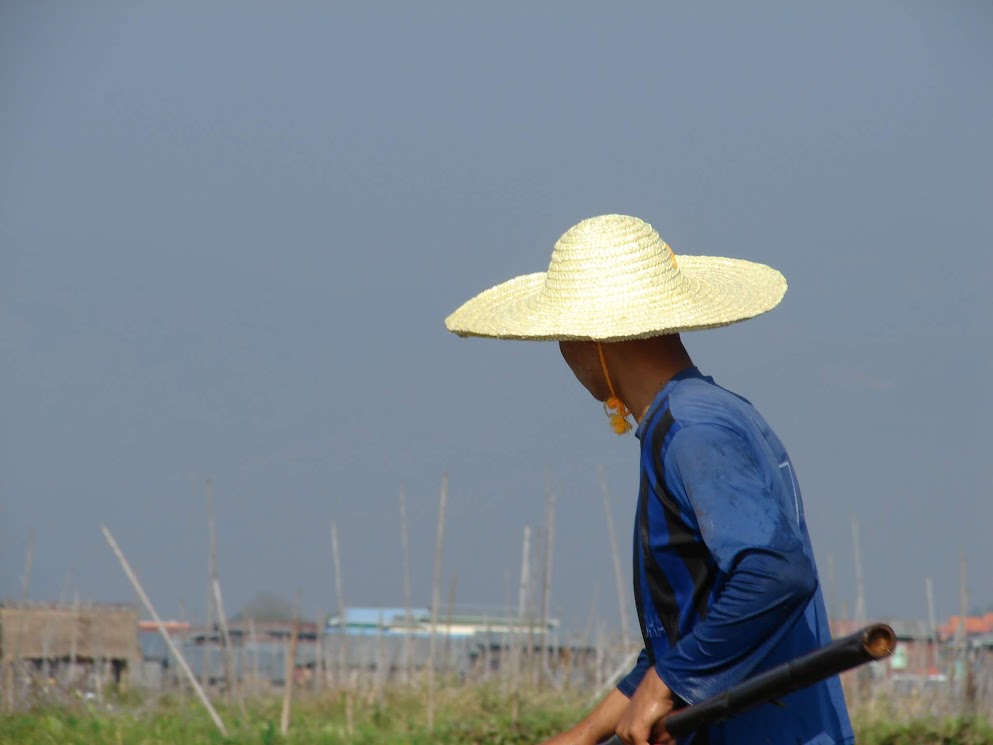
column 615, row 409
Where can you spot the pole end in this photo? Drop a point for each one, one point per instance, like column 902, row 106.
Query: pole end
column 879, row 640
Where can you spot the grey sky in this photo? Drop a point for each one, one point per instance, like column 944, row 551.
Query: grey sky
column 229, row 235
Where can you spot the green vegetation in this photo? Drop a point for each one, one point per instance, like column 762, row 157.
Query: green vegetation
column 930, row 731
column 475, row 714
column 465, row 716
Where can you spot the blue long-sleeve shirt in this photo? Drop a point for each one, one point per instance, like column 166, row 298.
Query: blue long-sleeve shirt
column 724, row 574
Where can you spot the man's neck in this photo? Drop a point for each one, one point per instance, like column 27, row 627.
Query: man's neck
column 643, row 369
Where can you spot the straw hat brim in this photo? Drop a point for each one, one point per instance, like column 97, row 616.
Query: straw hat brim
column 712, row 291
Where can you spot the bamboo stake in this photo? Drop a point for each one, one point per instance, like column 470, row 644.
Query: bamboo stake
column 162, row 630
column 339, row 592
column 523, row 611
column 350, row 705
column 520, row 637
column 215, row 582
column 101, row 669
column 593, row 619
column 14, row 665
column 968, row 681
column 601, row 653
column 615, row 556
column 291, row 668
column 506, row 644
column 408, row 660
column 932, row 626
column 180, row 682
column 229, row 663
column 255, row 657
column 533, row 601
column 447, row 662
column 523, row 592
column 436, row 597
column 382, row 671
column 487, row 652
column 49, row 631
column 62, row 605
column 319, row 666
column 208, row 630
column 546, row 585
column 70, row 678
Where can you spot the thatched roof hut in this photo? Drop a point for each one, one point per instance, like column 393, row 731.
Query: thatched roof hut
column 50, row 631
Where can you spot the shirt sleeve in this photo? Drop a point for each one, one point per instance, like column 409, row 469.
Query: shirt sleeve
column 632, row 680
column 750, row 526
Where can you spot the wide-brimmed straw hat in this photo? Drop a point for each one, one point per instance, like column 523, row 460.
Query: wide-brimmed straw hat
column 613, row 278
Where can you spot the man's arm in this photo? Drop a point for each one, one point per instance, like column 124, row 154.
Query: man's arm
column 598, row 725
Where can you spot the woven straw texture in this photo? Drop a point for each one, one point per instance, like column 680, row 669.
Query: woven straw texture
column 613, row 278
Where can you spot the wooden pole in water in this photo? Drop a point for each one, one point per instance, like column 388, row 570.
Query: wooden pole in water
column 162, row 630
column 615, row 557
column 436, row 597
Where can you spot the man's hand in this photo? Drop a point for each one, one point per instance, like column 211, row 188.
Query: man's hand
column 642, row 722
column 598, row 725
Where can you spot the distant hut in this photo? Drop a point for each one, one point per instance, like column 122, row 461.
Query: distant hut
column 49, row 637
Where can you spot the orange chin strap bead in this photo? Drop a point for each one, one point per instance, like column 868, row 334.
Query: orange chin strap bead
column 615, row 409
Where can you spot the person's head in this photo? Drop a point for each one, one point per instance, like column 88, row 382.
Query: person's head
column 601, row 366
column 583, row 359
column 625, row 375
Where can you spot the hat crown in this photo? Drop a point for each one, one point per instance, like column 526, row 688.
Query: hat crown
column 609, row 256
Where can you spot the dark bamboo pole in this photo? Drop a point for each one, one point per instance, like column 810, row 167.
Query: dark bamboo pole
column 870, row 643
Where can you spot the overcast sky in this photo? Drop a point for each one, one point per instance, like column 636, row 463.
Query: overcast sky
column 230, row 233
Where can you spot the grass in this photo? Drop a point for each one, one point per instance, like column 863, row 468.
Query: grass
column 469, row 715
column 929, row 731
column 476, row 714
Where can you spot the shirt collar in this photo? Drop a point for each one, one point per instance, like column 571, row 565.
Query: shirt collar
column 663, row 394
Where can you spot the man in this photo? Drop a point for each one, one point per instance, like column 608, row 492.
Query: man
column 724, row 577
